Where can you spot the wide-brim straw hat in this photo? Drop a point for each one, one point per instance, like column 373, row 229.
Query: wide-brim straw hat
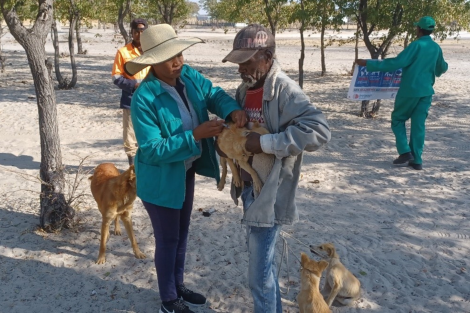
column 159, row 44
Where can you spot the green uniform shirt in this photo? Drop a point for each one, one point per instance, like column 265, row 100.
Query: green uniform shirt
column 421, row 62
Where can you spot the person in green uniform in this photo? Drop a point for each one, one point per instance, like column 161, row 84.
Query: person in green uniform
column 421, row 62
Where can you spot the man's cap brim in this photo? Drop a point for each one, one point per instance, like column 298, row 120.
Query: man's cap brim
column 240, row 56
column 159, row 54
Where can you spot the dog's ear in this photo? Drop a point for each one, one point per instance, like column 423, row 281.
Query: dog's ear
column 303, row 258
column 132, row 168
column 322, row 265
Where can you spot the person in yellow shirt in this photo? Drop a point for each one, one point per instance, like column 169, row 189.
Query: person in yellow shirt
column 422, row 62
column 129, row 83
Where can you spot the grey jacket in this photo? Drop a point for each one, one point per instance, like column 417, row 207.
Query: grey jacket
column 295, row 125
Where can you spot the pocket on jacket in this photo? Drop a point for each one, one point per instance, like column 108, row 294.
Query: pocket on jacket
column 149, row 179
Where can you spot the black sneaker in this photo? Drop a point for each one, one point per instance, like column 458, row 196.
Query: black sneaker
column 417, row 167
column 176, row 306
column 403, row 159
column 190, row 297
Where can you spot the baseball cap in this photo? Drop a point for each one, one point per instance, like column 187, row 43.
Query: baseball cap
column 135, row 22
column 248, row 41
column 426, row 23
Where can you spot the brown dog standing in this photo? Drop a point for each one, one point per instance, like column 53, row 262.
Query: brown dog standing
column 115, row 194
column 309, row 298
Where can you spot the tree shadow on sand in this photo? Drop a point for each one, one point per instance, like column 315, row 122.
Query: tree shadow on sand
column 70, row 281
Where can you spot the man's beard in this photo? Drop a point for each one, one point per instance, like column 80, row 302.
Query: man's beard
column 252, row 80
column 249, row 80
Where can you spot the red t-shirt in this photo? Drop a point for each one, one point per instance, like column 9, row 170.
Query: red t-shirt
column 253, row 105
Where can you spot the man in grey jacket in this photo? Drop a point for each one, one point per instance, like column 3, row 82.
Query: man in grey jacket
column 271, row 98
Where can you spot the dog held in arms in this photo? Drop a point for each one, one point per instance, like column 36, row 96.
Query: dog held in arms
column 340, row 283
column 309, row 298
column 232, row 142
column 115, row 194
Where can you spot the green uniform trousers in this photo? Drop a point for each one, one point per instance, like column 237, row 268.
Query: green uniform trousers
column 415, row 109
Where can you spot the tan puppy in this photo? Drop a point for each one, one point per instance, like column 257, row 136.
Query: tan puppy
column 232, row 142
column 309, row 298
column 115, row 194
column 340, row 283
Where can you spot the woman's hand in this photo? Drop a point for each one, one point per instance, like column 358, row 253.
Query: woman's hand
column 208, row 129
column 239, row 118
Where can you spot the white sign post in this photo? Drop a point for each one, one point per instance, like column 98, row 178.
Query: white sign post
column 373, row 85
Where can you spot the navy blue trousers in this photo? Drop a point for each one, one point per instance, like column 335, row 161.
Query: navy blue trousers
column 170, row 229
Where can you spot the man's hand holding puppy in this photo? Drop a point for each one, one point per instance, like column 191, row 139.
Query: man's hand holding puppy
column 253, row 143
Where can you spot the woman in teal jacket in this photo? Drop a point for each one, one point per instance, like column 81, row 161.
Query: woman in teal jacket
column 421, row 62
column 175, row 138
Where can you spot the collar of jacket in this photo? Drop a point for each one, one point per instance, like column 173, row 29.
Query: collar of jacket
column 268, row 86
column 425, row 37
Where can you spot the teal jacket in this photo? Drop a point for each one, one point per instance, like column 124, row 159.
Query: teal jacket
column 421, row 62
column 164, row 145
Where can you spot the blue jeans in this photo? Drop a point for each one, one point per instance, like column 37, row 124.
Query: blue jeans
column 262, row 275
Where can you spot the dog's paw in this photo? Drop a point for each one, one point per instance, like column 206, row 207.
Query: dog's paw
column 117, row 232
column 101, row 260
column 139, row 255
column 221, row 186
column 257, row 187
column 237, row 182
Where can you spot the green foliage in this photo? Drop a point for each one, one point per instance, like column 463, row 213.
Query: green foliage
column 272, row 13
column 247, row 11
column 193, row 7
column 25, row 9
column 395, row 18
column 169, row 11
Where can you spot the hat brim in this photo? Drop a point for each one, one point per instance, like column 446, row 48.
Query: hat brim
column 430, row 27
column 240, row 55
column 160, row 54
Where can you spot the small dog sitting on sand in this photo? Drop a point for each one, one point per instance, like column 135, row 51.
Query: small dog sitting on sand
column 340, row 283
column 115, row 194
column 309, row 298
column 232, row 142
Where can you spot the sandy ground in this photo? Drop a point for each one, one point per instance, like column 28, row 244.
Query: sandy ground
column 403, row 233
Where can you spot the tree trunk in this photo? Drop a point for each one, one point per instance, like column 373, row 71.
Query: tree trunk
column 322, row 49
column 407, row 41
column 272, row 22
column 55, row 42
column 382, row 48
column 302, row 48
column 55, row 211
column 302, row 57
column 2, row 57
column 121, row 16
column 356, row 47
column 79, row 37
column 73, row 22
